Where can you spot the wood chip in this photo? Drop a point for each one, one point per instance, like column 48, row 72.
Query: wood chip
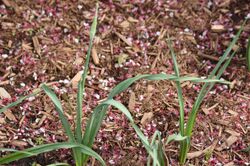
column 95, row 56
column 221, row 122
column 230, row 164
column 131, row 103
column 146, row 117
column 150, row 88
column 207, row 110
column 7, row 113
column 10, row 115
column 7, row 25
column 74, row 81
column 26, row 46
column 125, row 40
column 4, row 82
column 201, row 152
column 7, row 3
column 131, row 19
column 218, row 28
column 18, row 143
column 4, row 93
column 78, row 61
column 191, row 38
column 13, row 5
column 125, row 24
column 234, row 113
column 231, row 140
column 10, row 43
column 36, row 45
column 2, row 121
column 232, row 132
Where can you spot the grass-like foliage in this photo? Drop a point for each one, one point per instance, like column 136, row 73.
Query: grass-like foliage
column 81, row 144
column 186, row 132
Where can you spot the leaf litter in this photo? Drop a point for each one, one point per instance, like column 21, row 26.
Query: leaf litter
column 49, row 43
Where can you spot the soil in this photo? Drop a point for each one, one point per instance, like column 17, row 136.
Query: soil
column 46, row 42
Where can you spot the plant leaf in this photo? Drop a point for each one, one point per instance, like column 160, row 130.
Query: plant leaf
column 56, row 164
column 179, row 89
column 204, row 90
column 176, row 137
column 59, row 109
column 47, row 148
column 20, row 100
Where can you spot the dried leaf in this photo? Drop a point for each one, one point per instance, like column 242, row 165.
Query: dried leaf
column 125, row 24
column 209, row 149
column 191, row 38
column 95, row 56
column 76, row 79
column 234, row 113
column 230, row 164
column 66, row 50
column 146, row 117
column 13, row 5
column 195, row 154
column 36, row 45
column 232, row 132
column 7, row 25
column 231, row 140
column 26, row 46
column 4, row 93
column 131, row 19
column 150, row 88
column 18, row 143
column 78, row 61
column 9, row 115
column 129, row 43
column 218, row 28
column 123, row 38
column 7, row 3
column 2, row 121
column 131, row 103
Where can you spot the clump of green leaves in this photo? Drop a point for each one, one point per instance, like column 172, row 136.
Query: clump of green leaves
column 75, row 137
column 186, row 131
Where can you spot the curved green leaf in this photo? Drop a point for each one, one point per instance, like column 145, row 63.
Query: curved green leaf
column 59, row 109
column 47, row 148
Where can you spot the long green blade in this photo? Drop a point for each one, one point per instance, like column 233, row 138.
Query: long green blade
column 20, row 100
column 81, row 89
column 14, row 150
column 57, row 164
column 59, row 110
column 63, row 119
column 204, row 91
column 121, row 107
column 47, row 148
column 99, row 112
column 179, row 89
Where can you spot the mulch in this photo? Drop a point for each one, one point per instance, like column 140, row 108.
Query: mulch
column 46, row 41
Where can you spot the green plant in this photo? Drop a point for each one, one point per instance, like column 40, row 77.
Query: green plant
column 74, row 138
column 186, row 132
column 81, row 144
